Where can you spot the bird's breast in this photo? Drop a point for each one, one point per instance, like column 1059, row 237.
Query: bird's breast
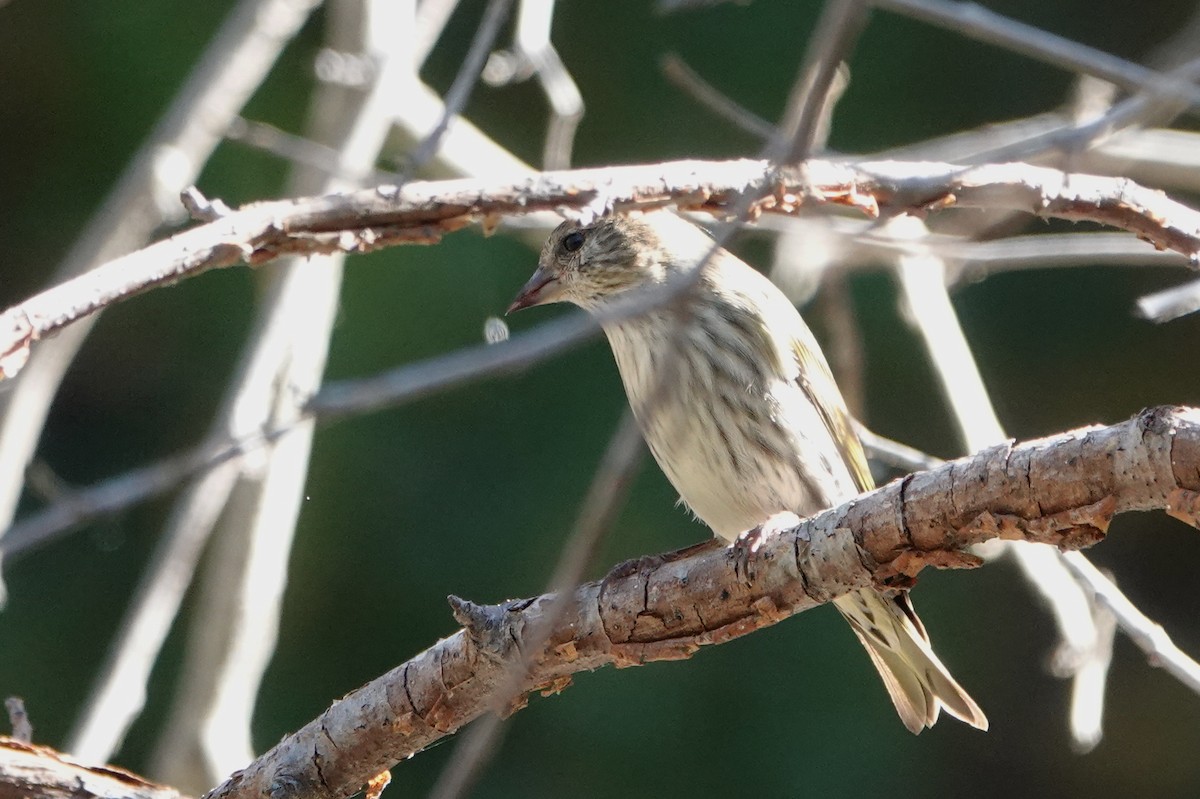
column 729, row 434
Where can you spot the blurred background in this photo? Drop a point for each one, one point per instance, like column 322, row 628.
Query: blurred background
column 472, row 492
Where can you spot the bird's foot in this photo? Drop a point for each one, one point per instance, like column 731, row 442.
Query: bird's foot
column 746, row 545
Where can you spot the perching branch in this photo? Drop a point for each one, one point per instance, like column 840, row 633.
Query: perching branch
column 1062, row 490
column 423, row 212
column 922, row 286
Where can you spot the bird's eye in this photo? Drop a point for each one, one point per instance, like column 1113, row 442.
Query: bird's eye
column 572, row 241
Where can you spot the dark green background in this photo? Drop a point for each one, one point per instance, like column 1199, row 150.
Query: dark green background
column 471, row 493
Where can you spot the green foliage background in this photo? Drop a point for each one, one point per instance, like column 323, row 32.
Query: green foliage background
column 472, row 492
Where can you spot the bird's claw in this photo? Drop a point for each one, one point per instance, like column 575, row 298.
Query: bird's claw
column 748, row 543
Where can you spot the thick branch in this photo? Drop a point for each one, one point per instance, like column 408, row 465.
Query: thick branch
column 422, row 212
column 1062, row 490
column 27, row 770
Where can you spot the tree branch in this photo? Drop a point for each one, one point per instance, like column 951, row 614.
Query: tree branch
column 1061, row 490
column 422, row 212
column 233, row 66
column 27, row 770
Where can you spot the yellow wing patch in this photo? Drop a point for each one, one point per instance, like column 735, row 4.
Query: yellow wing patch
column 817, row 382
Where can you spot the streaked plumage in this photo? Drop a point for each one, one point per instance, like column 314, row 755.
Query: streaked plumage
column 751, row 423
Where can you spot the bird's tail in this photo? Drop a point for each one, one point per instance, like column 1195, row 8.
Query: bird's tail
column 920, row 686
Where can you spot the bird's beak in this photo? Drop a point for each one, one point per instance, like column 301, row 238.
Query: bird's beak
column 542, row 288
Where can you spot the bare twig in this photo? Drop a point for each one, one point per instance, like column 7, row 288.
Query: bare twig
column 607, row 493
column 296, row 150
column 1090, row 680
column 363, row 220
column 844, row 244
column 1153, row 104
column 678, row 72
column 18, row 719
column 251, row 402
column 928, row 309
column 336, row 400
column 464, row 82
column 111, row 495
column 811, row 102
column 1172, row 303
column 119, row 693
column 1167, row 158
column 973, row 261
column 234, row 632
column 1148, row 635
column 145, row 196
column 893, row 453
column 534, row 54
column 846, row 353
column 466, row 151
column 977, row 22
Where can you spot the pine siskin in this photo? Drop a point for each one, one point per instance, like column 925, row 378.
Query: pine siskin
column 752, row 427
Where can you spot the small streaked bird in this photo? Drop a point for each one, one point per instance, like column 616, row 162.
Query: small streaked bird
column 750, row 427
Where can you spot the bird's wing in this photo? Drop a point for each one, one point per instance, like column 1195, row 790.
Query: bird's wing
column 817, row 382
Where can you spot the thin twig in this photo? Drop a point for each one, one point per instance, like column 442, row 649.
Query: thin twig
column 119, row 691
column 337, row 400
column 1151, row 104
column 1090, row 680
column 811, row 102
column 845, row 350
column 1172, row 303
column 466, row 151
column 144, row 197
column 850, row 245
column 1165, row 158
column 893, row 453
column 1146, row 634
column 464, row 83
column 689, row 81
column 533, row 55
column 253, row 400
column 294, row 149
column 18, row 719
column 976, row 22
column 605, row 496
column 233, row 636
column 974, row 261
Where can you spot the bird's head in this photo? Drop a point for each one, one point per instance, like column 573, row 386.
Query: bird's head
column 591, row 264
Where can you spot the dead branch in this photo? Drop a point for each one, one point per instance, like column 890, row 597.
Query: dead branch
column 1062, row 490
column 422, row 212
column 27, row 770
